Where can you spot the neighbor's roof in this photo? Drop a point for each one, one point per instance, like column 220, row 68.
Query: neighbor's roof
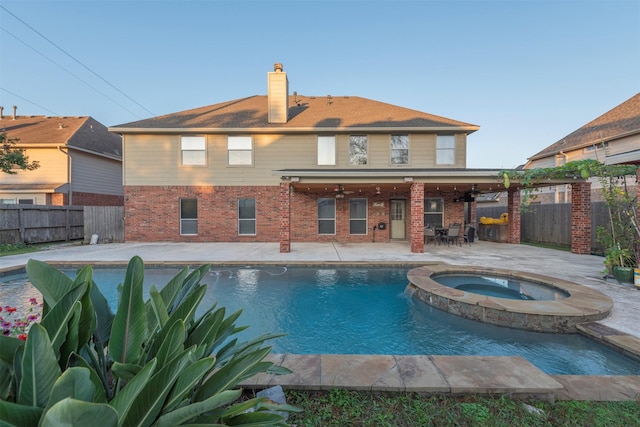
column 621, row 121
column 82, row 133
column 306, row 113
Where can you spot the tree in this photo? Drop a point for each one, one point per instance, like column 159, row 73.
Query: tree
column 11, row 157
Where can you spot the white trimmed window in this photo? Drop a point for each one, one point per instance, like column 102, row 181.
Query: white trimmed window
column 357, row 216
column 434, row 212
column 326, row 216
column 399, row 149
column 326, row 150
column 358, row 150
column 189, row 217
column 445, row 150
column 194, row 150
column 247, row 217
column 240, row 150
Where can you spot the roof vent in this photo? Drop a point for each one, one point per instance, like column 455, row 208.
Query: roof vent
column 15, row 109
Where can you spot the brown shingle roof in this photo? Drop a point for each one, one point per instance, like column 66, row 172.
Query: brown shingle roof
column 84, row 133
column 305, row 112
column 618, row 122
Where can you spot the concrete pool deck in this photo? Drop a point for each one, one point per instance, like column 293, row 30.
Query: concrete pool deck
column 441, row 374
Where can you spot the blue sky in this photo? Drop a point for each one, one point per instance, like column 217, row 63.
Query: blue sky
column 527, row 72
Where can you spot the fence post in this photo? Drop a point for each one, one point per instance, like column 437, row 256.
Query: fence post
column 21, row 223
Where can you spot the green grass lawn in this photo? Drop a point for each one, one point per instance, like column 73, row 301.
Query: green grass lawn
column 353, row 408
column 8, row 249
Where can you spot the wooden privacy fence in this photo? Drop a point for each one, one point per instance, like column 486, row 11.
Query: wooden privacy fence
column 105, row 221
column 551, row 223
column 40, row 223
column 43, row 223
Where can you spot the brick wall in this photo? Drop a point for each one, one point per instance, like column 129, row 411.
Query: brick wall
column 153, row 213
column 581, row 218
column 417, row 217
column 94, row 199
column 513, row 209
column 304, row 217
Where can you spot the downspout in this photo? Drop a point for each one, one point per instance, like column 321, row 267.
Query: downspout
column 69, row 192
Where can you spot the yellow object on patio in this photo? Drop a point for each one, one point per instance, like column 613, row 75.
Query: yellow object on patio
column 504, row 219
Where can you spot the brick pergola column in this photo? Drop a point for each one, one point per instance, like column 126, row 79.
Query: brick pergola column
column 285, row 218
column 417, row 217
column 581, row 218
column 513, row 209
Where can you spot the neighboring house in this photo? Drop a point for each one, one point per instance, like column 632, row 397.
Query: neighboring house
column 612, row 138
column 80, row 162
column 294, row 168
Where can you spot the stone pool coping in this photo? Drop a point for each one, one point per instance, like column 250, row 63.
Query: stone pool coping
column 557, row 316
column 447, row 375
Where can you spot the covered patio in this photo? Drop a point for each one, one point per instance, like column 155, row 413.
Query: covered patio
column 395, row 204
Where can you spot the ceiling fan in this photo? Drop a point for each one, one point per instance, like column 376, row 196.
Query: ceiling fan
column 341, row 191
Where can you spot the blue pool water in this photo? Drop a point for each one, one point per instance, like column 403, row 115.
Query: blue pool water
column 351, row 310
column 501, row 287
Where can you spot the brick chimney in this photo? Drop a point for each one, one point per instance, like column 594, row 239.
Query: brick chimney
column 278, row 95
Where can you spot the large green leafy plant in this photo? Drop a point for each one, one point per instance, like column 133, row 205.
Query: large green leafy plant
column 153, row 363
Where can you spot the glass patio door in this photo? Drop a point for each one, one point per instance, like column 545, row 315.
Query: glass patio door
column 398, row 224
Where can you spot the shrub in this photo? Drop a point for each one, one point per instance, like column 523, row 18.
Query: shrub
column 153, row 362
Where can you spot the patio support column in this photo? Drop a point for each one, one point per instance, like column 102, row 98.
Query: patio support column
column 417, row 217
column 285, row 218
column 473, row 214
column 581, row 218
column 513, row 208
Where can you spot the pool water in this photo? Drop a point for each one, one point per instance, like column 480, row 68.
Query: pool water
column 352, row 310
column 494, row 286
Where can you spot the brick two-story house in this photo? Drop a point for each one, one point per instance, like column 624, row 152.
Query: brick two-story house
column 293, row 168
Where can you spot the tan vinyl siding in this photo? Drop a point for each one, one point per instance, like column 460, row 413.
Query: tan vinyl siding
column 461, row 150
column 53, row 168
column 155, row 159
column 93, row 174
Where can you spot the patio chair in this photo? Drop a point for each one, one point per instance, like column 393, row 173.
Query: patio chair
column 430, row 235
column 454, row 234
column 469, row 232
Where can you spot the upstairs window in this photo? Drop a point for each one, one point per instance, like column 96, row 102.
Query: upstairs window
column 445, row 150
column 247, row 216
column 358, row 150
column 399, row 149
column 240, row 150
column 326, row 150
column 194, row 150
column 189, row 216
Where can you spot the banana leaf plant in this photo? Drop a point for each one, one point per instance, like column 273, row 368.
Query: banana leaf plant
column 152, row 363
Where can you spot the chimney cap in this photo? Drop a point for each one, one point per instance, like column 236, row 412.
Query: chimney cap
column 277, row 67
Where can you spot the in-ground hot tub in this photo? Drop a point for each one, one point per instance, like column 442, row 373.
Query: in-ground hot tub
column 560, row 305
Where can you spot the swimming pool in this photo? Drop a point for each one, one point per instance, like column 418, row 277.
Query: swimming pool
column 355, row 310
